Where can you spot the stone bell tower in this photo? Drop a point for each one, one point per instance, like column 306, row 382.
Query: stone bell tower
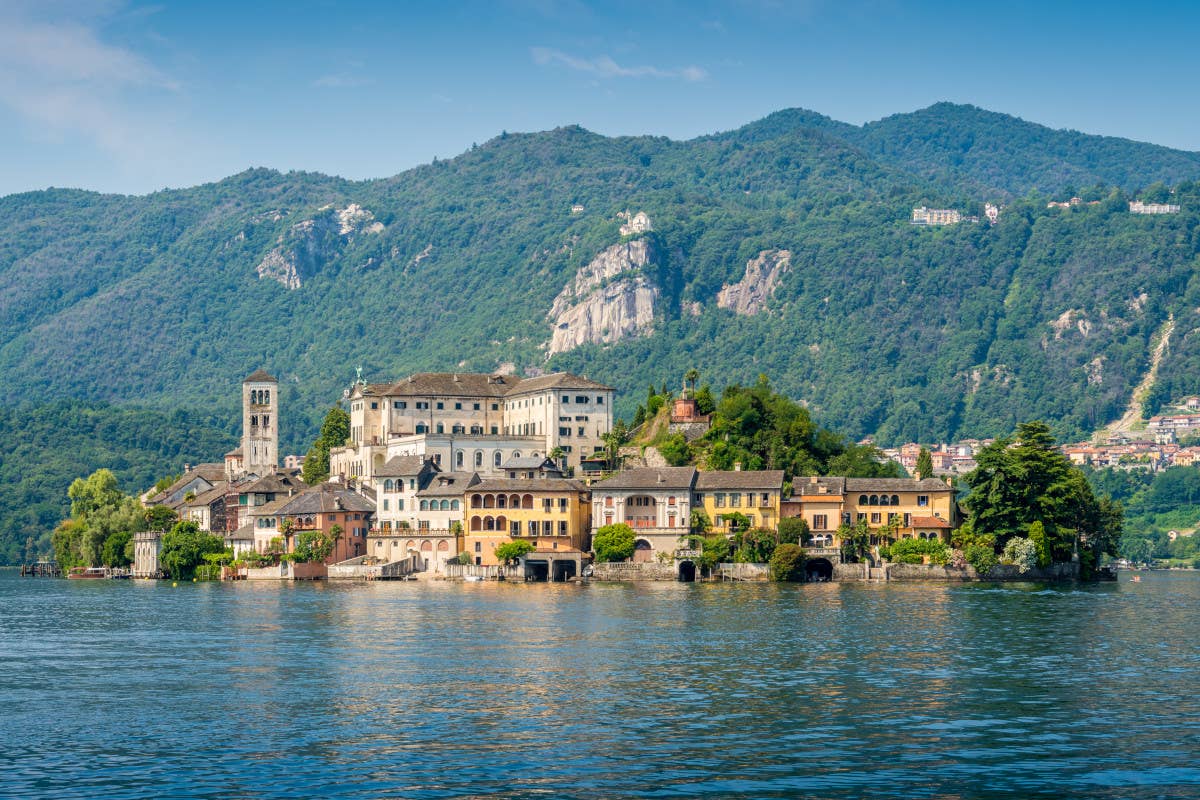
column 260, row 423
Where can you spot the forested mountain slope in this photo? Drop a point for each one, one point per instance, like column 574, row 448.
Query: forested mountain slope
column 783, row 247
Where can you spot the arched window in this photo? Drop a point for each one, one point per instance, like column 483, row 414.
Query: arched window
column 489, row 524
column 501, row 501
column 478, row 459
column 489, row 501
column 445, row 505
column 497, row 459
column 516, row 454
column 387, row 485
column 883, row 500
column 476, row 501
column 874, row 500
column 501, row 523
column 527, row 501
column 514, row 501
column 476, row 524
column 458, row 459
column 895, row 499
column 421, row 428
column 424, row 505
column 454, row 505
column 862, row 499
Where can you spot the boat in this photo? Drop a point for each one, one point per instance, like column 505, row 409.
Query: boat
column 472, row 578
column 87, row 573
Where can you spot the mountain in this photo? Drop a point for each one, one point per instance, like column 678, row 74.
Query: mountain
column 783, row 247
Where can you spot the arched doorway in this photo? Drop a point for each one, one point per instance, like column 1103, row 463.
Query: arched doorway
column 642, row 551
column 819, row 569
column 687, row 571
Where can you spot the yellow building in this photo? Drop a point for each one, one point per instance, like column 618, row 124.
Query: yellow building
column 920, row 509
column 755, row 494
column 552, row 514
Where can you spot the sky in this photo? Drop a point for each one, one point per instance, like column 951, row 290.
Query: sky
column 134, row 97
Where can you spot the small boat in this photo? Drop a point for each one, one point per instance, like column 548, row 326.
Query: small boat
column 472, row 578
column 87, row 573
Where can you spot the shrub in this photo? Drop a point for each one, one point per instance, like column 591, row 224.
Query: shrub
column 613, row 542
column 1021, row 553
column 982, row 557
column 1037, row 535
column 793, row 530
column 511, row 551
column 787, row 563
column 957, row 559
column 913, row 551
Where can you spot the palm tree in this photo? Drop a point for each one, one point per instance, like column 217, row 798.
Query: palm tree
column 692, row 376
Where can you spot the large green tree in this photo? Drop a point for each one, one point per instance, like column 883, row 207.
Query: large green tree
column 1025, row 479
column 335, row 430
column 184, row 548
column 613, row 542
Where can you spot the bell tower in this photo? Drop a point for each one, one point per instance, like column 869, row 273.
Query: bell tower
column 260, row 423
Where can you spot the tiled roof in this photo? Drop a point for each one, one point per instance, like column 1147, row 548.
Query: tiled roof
column 804, row 485
column 453, row 384
column 529, row 485
column 929, row 522
column 269, row 508
column 277, row 482
column 406, row 466
column 204, row 498
column 740, row 479
column 259, row 376
column 242, row 534
column 528, row 462
column 449, row 484
column 896, row 485
column 650, row 478
column 326, row 498
column 558, row 380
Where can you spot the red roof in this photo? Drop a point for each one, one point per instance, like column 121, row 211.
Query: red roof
column 929, row 522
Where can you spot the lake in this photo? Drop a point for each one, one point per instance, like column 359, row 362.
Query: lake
column 121, row 689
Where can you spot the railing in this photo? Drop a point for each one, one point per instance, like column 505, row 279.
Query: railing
column 492, row 572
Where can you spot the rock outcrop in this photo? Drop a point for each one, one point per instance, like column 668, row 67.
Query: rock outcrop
column 609, row 299
column 305, row 247
column 751, row 293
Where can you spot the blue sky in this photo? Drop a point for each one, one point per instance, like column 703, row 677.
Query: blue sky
column 132, row 97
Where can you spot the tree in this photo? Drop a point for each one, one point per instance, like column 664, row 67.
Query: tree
column 855, row 540
column 118, row 549
column 335, row 430
column 787, row 563
column 700, row 522
column 184, row 548
column 924, row 463
column 690, row 378
column 674, row 449
column 160, row 518
column 613, row 542
column 1041, row 548
column 99, row 490
column 755, row 545
column 794, row 530
column 512, row 551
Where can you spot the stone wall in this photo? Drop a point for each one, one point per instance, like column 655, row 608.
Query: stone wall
column 1001, row 572
column 743, row 572
column 634, row 571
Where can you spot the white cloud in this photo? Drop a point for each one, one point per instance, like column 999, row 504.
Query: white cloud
column 606, row 67
column 60, row 77
column 340, row 81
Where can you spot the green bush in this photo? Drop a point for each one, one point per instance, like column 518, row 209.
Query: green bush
column 913, row 551
column 982, row 557
column 1020, row 552
column 787, row 563
column 613, row 542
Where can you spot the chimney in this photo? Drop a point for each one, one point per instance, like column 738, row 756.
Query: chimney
column 916, row 475
column 813, row 480
column 737, row 466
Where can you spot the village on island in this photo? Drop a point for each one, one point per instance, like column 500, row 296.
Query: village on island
column 477, row 476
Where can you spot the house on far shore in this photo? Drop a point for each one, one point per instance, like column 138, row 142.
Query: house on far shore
column 655, row 501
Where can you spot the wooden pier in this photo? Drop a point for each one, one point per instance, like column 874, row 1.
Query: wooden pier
column 41, row 569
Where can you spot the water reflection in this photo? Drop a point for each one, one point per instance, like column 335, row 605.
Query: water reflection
column 444, row 690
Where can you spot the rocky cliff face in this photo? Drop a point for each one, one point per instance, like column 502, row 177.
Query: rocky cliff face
column 763, row 273
column 304, row 247
column 609, row 299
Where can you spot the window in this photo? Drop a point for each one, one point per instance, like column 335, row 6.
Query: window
column 861, row 517
column 562, row 504
column 580, row 399
column 478, row 549
column 400, row 504
column 266, row 420
column 671, row 500
column 533, row 527
column 495, row 407
column 254, row 421
column 719, row 499
column 766, row 499
column 385, row 504
column 562, row 528
column 862, row 499
column 581, row 431
column 458, row 406
column 497, row 458
column 374, row 405
column 440, row 406
column 422, row 404
column 514, row 528
column 399, row 404
column 608, row 502
column 566, row 398
column 699, row 498
column 735, row 499
column 478, row 459
column 875, row 517
column 441, row 428
column 907, row 520
column 421, row 428
column 458, row 459
column 564, row 431
column 820, row 522
column 600, row 400
column 495, row 430
column 922, row 499
column 547, row 504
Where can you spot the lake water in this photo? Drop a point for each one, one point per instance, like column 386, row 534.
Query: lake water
column 138, row 689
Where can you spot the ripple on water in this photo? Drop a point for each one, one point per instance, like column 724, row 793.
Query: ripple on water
column 129, row 690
